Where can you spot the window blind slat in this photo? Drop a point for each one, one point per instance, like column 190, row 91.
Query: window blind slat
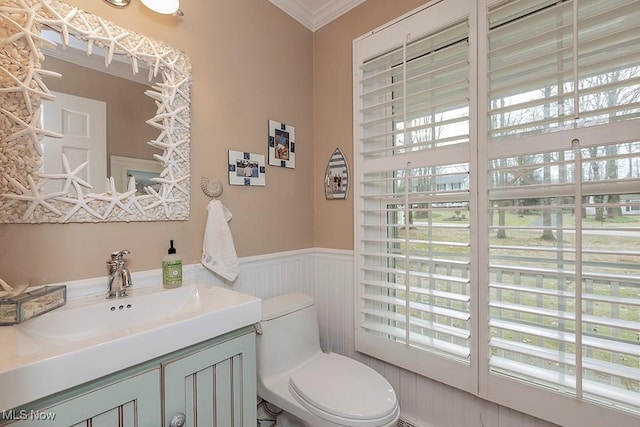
column 519, row 370
column 457, row 351
column 422, row 291
column 420, row 307
column 436, row 327
column 567, row 359
column 538, row 311
column 535, row 331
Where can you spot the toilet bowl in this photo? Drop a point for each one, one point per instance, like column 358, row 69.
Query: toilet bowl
column 321, row 389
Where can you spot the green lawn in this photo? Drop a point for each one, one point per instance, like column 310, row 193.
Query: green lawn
column 516, row 250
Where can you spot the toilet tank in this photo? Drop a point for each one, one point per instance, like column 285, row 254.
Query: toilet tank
column 289, row 336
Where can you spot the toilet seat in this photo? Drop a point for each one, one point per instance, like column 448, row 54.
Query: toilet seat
column 344, row 391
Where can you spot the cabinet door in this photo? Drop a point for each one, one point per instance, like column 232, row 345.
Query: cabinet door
column 213, row 387
column 131, row 402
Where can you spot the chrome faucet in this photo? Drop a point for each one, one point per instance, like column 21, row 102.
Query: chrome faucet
column 119, row 276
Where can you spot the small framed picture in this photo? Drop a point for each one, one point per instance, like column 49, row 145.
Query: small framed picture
column 282, row 145
column 246, row 168
column 123, row 168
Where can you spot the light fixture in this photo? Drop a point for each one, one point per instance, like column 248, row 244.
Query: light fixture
column 166, row 7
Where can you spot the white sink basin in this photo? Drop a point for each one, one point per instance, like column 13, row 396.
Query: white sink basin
column 92, row 337
column 80, row 321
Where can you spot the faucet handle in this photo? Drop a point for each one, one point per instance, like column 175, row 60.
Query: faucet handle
column 119, row 255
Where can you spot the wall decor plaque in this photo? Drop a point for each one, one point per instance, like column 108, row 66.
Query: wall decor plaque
column 282, row 145
column 336, row 176
column 246, row 168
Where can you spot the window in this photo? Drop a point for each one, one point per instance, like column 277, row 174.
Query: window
column 497, row 242
column 415, row 294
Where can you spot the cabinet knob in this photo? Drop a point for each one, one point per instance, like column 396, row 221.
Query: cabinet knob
column 178, row 420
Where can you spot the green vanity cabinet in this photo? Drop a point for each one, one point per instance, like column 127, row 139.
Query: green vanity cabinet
column 215, row 386
column 133, row 401
column 210, row 384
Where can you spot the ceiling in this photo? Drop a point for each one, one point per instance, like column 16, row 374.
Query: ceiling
column 313, row 14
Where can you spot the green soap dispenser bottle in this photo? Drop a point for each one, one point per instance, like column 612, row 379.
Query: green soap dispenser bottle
column 171, row 269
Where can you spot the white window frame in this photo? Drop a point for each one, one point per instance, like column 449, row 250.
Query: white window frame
column 476, row 378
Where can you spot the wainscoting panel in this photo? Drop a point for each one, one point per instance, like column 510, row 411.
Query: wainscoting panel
column 328, row 275
column 269, row 275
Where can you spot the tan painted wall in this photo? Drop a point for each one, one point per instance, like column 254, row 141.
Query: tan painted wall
column 333, row 108
column 251, row 63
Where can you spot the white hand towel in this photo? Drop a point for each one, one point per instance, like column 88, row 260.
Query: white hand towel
column 218, row 252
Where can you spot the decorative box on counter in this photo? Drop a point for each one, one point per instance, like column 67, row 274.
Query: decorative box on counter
column 30, row 304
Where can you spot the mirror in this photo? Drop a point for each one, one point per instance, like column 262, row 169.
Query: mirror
column 112, row 100
column 143, row 186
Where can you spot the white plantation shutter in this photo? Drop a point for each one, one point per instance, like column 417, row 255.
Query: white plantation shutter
column 536, row 334
column 540, row 51
column 563, row 184
column 497, row 216
column 414, row 295
column 415, row 282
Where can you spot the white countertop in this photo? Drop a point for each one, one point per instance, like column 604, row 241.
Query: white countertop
column 32, row 367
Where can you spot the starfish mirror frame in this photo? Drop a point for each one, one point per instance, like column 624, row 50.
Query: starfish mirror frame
column 22, row 198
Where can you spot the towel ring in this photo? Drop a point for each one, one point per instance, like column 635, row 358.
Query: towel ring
column 211, row 187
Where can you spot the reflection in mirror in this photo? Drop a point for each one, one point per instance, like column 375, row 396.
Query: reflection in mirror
column 104, row 115
column 46, row 178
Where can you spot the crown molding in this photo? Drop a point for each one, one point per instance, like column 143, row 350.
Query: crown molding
column 315, row 18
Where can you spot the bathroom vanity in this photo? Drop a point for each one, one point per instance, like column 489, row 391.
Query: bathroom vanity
column 119, row 363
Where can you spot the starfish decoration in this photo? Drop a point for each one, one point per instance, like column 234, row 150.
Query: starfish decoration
column 113, row 198
column 32, row 195
column 82, row 25
column 166, row 130
column 170, row 64
column 138, row 52
column 59, row 22
column 26, row 30
column 32, row 130
column 161, row 199
column 170, row 87
column 165, row 114
column 79, row 202
column 134, row 200
column 25, row 86
column 108, row 39
column 168, row 161
column 155, row 93
column 171, row 183
column 134, row 64
column 137, row 47
column 70, row 176
column 170, row 148
column 157, row 59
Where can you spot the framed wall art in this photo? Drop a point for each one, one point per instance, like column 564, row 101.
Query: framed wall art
column 246, row 168
column 123, row 168
column 282, row 145
column 336, row 176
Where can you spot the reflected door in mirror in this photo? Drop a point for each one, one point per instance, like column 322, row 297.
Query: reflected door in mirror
column 83, row 123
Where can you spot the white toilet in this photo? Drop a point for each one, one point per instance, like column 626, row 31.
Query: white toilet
column 321, row 389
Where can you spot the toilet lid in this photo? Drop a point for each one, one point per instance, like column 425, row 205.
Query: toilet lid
column 342, row 387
